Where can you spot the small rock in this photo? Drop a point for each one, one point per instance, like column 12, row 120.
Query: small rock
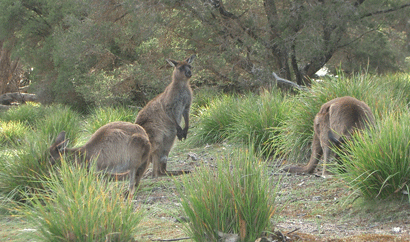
column 396, row 230
column 228, row 237
column 317, row 198
column 192, row 156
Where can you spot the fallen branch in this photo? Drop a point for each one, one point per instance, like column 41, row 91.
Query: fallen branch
column 288, row 83
column 8, row 98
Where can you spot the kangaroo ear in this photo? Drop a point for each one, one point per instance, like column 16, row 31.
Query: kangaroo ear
column 190, row 59
column 61, row 142
column 60, row 137
column 172, row 62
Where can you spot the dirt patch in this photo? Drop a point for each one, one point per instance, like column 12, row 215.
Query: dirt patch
column 310, row 208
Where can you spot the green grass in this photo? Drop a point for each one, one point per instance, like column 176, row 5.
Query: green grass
column 79, row 205
column 29, row 162
column 258, row 118
column 12, row 133
column 234, row 198
column 377, row 163
column 103, row 115
column 214, row 120
column 380, row 93
column 28, row 114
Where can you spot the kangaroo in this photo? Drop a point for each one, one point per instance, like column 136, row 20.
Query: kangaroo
column 161, row 117
column 118, row 147
column 336, row 121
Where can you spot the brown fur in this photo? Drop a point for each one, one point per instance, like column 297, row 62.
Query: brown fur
column 162, row 116
column 118, row 147
column 334, row 123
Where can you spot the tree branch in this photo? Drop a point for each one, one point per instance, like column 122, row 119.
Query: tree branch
column 385, row 11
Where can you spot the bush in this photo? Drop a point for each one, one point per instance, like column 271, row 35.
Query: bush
column 81, row 206
column 377, row 163
column 235, row 198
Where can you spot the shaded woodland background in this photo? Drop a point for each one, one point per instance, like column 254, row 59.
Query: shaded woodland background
column 88, row 53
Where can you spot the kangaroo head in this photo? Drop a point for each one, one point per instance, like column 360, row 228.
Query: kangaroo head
column 58, row 147
column 182, row 69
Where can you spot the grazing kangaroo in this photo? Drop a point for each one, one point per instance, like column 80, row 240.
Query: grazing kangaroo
column 336, row 121
column 161, row 117
column 118, row 147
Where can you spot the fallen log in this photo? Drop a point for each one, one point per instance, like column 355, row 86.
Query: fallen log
column 8, row 98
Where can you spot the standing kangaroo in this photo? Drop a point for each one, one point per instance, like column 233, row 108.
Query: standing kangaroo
column 162, row 116
column 336, row 121
column 118, row 147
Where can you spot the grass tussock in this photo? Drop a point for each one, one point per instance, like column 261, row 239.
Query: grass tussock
column 215, row 120
column 242, row 118
column 79, row 205
column 382, row 95
column 104, row 115
column 234, row 198
column 377, row 163
column 12, row 133
column 29, row 162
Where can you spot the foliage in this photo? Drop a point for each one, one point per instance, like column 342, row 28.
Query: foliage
column 377, row 163
column 92, row 209
column 380, row 93
column 235, row 197
column 94, row 53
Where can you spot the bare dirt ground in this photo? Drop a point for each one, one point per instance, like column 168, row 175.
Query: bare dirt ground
column 309, row 208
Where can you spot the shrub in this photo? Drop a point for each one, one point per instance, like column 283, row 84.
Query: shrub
column 236, row 197
column 377, row 163
column 79, row 205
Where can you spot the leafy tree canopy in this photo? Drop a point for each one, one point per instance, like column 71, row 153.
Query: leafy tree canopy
column 103, row 52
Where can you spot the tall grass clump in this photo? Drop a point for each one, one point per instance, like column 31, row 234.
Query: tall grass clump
column 22, row 169
column 104, row 115
column 12, row 133
column 202, row 98
column 377, row 163
column 79, row 205
column 214, row 120
column 235, row 198
column 258, row 117
column 27, row 114
column 296, row 134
